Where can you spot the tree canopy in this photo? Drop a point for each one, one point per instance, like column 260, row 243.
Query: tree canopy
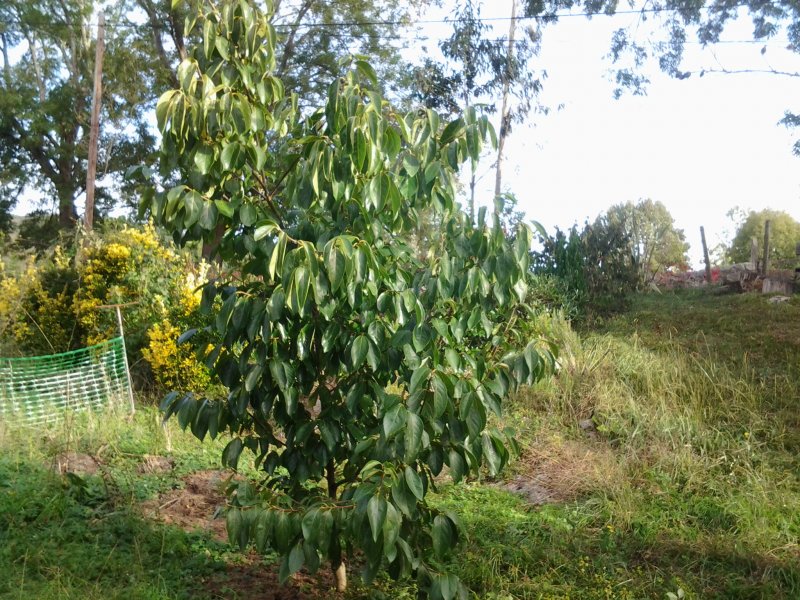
column 784, row 235
column 45, row 101
column 657, row 244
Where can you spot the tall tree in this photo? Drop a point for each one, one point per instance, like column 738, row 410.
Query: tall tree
column 328, row 312
column 479, row 68
column 312, row 38
column 657, row 244
column 46, row 100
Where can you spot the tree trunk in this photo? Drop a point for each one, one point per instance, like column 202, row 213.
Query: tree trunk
column 66, row 208
column 505, row 113
column 337, row 562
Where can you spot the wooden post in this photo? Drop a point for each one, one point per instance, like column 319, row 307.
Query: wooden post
column 705, row 254
column 754, row 252
column 765, row 262
column 94, row 130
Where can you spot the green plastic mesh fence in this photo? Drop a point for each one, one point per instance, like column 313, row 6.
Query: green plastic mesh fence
column 39, row 389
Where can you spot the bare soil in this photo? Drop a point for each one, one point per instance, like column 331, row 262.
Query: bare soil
column 75, row 462
column 194, row 506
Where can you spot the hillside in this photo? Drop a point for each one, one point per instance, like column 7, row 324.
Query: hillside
column 662, row 461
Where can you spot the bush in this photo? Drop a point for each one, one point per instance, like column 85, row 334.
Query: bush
column 596, row 267
column 57, row 303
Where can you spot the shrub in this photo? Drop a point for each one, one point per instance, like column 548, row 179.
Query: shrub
column 596, row 266
column 57, row 303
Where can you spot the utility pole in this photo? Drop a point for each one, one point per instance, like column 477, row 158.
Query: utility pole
column 94, row 131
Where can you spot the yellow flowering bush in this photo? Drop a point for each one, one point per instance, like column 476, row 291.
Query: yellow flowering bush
column 63, row 302
column 174, row 367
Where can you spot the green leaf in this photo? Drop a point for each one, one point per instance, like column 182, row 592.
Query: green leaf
column 451, row 131
column 394, row 420
column 251, row 381
column 441, row 397
column 376, row 513
column 493, row 458
column 442, row 535
column 264, row 228
column 232, row 452
column 225, row 208
column 234, row 523
column 193, row 203
column 411, row 164
column 367, row 71
column 232, row 157
column 458, row 468
column 445, row 586
column 276, row 259
column 203, row 159
column 208, row 215
column 418, row 378
column 452, row 358
column 296, row 558
column 335, row 264
column 358, row 352
column 391, row 528
column 413, row 436
column 414, row 483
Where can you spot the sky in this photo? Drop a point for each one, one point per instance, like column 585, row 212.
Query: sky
column 701, row 146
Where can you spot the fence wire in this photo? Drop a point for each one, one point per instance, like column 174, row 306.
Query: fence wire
column 42, row 388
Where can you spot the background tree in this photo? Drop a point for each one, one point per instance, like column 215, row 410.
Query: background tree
column 784, row 235
column 657, row 244
column 479, row 68
column 46, row 100
column 596, row 266
column 356, row 370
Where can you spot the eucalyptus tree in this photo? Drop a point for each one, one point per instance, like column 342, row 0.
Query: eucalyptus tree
column 481, row 67
column 356, row 369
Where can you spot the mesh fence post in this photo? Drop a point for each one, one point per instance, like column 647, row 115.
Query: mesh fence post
column 125, row 359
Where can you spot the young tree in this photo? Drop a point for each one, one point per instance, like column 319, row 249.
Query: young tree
column 657, row 244
column 357, row 370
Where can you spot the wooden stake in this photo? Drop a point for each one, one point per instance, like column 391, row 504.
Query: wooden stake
column 705, row 254
column 765, row 262
column 125, row 358
column 94, row 131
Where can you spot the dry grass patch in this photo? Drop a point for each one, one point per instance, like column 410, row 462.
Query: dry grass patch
column 557, row 470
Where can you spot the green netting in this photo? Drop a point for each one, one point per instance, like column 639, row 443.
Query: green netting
column 38, row 389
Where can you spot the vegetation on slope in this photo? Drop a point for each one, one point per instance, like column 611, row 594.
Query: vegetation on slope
column 664, row 455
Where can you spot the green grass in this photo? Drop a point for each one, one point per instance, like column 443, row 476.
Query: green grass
column 691, row 482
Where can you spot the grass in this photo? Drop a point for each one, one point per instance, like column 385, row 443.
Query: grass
column 688, row 477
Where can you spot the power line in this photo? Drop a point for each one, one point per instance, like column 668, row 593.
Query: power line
column 450, row 21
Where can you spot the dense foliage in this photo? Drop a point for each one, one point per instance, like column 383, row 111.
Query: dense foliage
column 357, row 369
column 657, row 244
column 56, row 303
column 784, row 236
column 596, row 266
